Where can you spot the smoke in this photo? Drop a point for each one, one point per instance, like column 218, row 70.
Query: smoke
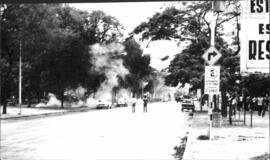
column 106, row 61
column 53, row 101
column 124, row 93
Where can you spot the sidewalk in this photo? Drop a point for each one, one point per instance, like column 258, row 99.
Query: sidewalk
column 229, row 142
column 35, row 112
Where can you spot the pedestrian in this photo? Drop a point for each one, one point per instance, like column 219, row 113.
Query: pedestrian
column 133, row 102
column 247, row 103
column 265, row 104
column 240, row 102
column 254, row 104
column 234, row 104
column 145, row 100
column 260, row 105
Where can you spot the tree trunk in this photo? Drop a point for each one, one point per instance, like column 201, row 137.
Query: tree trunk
column 4, row 106
column 62, row 100
column 29, row 102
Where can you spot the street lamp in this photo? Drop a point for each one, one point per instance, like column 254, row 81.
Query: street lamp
column 20, row 79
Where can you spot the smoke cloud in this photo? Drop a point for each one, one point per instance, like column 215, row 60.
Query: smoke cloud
column 106, row 61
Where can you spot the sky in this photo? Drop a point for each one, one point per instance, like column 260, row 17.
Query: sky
column 130, row 15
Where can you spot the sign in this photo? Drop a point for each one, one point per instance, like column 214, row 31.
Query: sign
column 254, row 36
column 211, row 79
column 211, row 55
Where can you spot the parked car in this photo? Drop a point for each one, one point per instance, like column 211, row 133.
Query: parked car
column 188, row 103
column 102, row 104
column 12, row 101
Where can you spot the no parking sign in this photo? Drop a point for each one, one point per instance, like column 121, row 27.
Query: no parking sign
column 211, row 79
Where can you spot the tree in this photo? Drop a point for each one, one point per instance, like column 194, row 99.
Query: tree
column 66, row 64
column 24, row 24
column 101, row 28
column 137, row 64
column 190, row 24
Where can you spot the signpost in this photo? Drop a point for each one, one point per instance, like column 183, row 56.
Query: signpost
column 211, row 56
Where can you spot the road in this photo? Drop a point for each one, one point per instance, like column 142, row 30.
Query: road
column 99, row 134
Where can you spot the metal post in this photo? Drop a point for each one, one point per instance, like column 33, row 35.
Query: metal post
column 239, row 112
column 212, row 43
column 230, row 113
column 251, row 110
column 210, row 112
column 243, row 105
column 142, row 92
column 20, row 79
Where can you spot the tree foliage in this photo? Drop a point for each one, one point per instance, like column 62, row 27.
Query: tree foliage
column 191, row 24
column 137, row 64
column 56, row 57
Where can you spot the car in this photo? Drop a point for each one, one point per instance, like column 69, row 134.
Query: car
column 12, row 101
column 188, row 103
column 103, row 104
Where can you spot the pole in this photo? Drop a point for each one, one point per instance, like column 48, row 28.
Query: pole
column 210, row 112
column 142, row 92
column 212, row 43
column 20, row 79
column 230, row 112
column 251, row 110
column 243, row 105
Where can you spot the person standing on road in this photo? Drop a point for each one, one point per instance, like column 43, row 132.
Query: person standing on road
column 145, row 100
column 133, row 102
column 260, row 105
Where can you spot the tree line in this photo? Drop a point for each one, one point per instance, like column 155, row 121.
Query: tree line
column 190, row 24
column 54, row 41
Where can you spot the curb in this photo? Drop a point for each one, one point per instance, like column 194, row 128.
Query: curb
column 45, row 114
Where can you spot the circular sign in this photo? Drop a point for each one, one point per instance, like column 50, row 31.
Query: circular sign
column 212, row 73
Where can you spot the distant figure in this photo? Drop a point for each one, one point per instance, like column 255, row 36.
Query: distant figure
column 133, row 101
column 265, row 104
column 145, row 100
column 260, row 105
column 234, row 103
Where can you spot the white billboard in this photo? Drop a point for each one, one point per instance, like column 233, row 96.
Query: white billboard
column 254, row 36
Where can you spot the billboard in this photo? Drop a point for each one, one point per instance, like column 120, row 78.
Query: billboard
column 254, row 36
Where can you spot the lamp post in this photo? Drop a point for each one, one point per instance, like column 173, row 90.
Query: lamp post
column 20, row 79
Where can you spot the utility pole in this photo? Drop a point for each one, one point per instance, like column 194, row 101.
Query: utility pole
column 20, row 79
column 217, row 6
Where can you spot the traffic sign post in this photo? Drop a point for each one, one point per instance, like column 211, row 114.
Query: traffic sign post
column 211, row 87
column 211, row 56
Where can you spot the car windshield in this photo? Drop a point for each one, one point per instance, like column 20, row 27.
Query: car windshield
column 186, row 97
column 187, row 101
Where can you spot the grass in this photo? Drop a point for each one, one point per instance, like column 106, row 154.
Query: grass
column 203, row 137
column 179, row 150
column 265, row 156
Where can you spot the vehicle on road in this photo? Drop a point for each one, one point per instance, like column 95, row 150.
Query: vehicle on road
column 102, row 104
column 188, row 103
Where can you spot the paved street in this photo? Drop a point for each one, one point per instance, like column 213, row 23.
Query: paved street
column 98, row 134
